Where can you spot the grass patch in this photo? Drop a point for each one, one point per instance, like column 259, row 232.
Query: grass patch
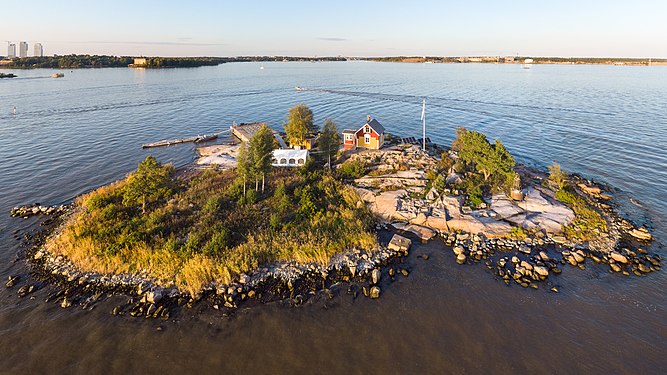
column 587, row 223
column 517, row 233
column 204, row 229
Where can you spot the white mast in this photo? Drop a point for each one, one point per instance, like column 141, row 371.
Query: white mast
column 424, row 124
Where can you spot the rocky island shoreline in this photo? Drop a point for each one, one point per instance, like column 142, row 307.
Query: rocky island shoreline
column 526, row 228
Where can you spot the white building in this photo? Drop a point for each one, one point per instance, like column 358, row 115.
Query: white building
column 39, row 50
column 289, row 158
column 11, row 51
column 23, row 49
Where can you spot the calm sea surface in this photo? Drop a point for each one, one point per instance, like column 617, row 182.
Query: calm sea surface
column 609, row 123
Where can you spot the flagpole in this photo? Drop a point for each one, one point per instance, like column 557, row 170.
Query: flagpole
column 424, row 124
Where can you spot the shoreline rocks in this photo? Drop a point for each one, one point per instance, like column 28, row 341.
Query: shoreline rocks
column 285, row 281
column 37, row 209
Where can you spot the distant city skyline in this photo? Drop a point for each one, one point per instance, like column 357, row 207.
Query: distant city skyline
column 38, row 49
column 565, row 28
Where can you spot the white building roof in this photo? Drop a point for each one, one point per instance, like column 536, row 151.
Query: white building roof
column 289, row 157
column 289, row 153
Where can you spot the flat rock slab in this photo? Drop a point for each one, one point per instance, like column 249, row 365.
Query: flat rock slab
column 385, row 205
column 399, row 179
column 422, row 232
column 504, row 207
column 490, row 227
column 534, row 212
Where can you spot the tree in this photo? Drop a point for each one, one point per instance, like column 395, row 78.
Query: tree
column 299, row 124
column 329, row 140
column 148, row 184
column 244, row 165
column 475, row 152
column 262, row 145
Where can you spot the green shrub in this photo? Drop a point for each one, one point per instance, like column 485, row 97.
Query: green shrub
column 250, row 197
column 352, row 169
column 518, row 233
column 275, row 222
column 557, row 176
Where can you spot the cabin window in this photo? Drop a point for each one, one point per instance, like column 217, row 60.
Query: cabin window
column 367, row 129
column 292, row 161
column 367, row 138
column 283, row 161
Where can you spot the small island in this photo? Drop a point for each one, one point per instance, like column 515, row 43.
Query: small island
column 244, row 226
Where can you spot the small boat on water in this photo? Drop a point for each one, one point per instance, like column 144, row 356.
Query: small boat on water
column 527, row 63
column 169, row 142
column 298, row 88
column 57, row 75
column 205, row 138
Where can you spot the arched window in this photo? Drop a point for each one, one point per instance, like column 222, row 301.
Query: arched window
column 301, row 161
column 283, row 161
column 274, row 161
column 292, row 161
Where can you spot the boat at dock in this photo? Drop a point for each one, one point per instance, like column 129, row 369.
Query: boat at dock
column 170, row 142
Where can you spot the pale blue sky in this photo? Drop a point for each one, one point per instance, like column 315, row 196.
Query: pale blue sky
column 341, row 27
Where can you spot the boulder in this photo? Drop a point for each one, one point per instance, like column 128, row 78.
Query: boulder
column 66, row 303
column 641, row 234
column 154, row 296
column 460, row 258
column 618, row 257
column 541, row 270
column 374, row 292
column 432, row 194
column 543, row 256
column 399, row 243
column 591, row 190
column 12, row 280
column 453, row 179
column 452, row 206
column 559, row 239
column 376, row 275
column 516, row 195
column 643, row 268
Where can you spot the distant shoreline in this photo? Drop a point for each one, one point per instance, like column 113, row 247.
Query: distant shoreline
column 104, row 61
column 518, row 60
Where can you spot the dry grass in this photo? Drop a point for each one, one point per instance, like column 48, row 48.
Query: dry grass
column 202, row 234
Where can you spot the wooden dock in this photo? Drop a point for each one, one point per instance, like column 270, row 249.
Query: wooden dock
column 170, row 142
